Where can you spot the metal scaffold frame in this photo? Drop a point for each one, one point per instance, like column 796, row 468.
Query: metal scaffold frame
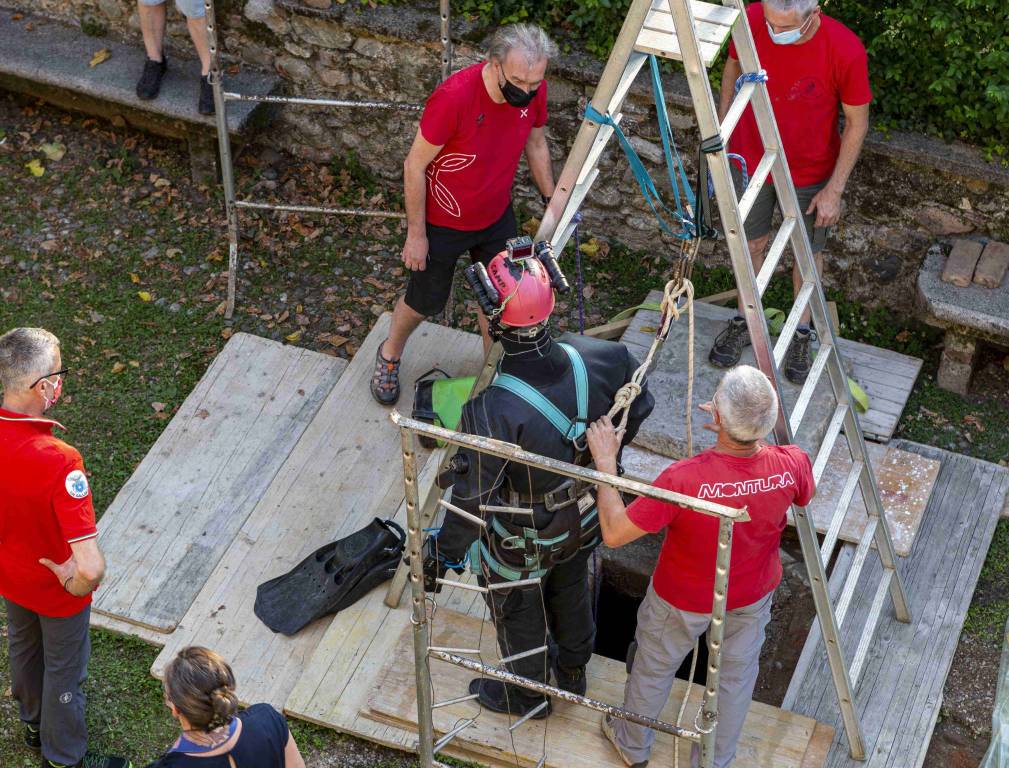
column 223, row 97
column 703, row 732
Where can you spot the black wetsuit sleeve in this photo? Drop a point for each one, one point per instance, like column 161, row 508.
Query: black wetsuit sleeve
column 642, row 405
column 480, row 484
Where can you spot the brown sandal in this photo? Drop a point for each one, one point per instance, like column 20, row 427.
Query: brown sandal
column 385, row 379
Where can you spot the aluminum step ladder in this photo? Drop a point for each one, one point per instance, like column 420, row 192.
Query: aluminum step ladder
column 694, row 33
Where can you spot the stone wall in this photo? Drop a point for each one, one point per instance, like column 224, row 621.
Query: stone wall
column 906, row 192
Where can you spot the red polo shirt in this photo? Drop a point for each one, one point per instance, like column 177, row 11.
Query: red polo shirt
column 45, row 506
column 469, row 183
column 767, row 484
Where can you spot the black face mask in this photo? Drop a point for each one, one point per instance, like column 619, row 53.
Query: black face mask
column 514, row 95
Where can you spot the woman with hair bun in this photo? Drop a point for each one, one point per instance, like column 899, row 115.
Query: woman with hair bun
column 200, row 692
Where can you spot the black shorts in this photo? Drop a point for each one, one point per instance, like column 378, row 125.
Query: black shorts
column 428, row 290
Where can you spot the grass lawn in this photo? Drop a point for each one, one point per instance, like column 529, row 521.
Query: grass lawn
column 115, row 251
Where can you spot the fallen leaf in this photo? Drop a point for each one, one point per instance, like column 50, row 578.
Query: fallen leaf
column 54, row 151
column 161, row 415
column 134, row 278
column 134, row 363
column 974, row 421
column 144, row 295
column 118, row 367
column 202, row 413
column 35, row 167
column 99, row 57
column 903, row 336
column 227, row 333
column 173, row 252
column 162, row 182
column 293, row 337
column 336, row 341
column 158, row 407
column 590, row 248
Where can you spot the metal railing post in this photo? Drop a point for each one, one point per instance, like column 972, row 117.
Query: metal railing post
column 421, row 638
column 224, row 145
column 716, row 634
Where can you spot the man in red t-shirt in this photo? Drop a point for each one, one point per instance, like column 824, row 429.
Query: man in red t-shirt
column 815, row 67
column 739, row 471
column 458, row 177
column 50, row 562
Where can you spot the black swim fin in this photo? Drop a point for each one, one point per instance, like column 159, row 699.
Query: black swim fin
column 331, row 578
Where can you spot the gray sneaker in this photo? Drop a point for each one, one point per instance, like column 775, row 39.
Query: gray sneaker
column 728, row 346
column 607, row 725
column 799, row 357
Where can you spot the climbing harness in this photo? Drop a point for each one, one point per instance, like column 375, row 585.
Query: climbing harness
column 571, row 429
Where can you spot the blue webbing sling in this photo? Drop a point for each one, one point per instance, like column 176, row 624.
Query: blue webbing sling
column 571, row 429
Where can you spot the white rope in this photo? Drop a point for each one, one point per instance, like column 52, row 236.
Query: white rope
column 627, row 394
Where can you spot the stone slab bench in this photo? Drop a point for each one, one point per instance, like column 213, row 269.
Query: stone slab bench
column 969, row 313
column 49, row 60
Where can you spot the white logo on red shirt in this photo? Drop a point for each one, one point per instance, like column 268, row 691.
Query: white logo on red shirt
column 525, row 113
column 77, row 484
column 450, row 163
column 746, row 487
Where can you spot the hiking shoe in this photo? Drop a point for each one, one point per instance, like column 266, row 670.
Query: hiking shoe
column 206, row 104
column 799, row 357
column 149, row 84
column 607, row 726
column 33, row 737
column 385, row 379
column 728, row 346
column 93, row 760
column 570, row 679
column 511, row 700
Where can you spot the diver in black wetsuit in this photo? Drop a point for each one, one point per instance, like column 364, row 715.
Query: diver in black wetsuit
column 546, row 392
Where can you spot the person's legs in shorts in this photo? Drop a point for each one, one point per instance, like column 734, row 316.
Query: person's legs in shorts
column 427, row 291
column 817, row 237
column 152, row 27
column 727, row 348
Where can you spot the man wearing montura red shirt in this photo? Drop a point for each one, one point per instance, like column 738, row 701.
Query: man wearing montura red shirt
column 50, row 562
column 458, row 178
column 739, row 471
column 816, row 67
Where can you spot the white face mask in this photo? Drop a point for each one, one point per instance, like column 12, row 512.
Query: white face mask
column 789, row 36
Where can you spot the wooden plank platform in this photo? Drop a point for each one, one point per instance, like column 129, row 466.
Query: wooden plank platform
column 887, row 377
column 571, row 735
column 345, row 470
column 900, row 692
column 905, row 480
column 175, row 517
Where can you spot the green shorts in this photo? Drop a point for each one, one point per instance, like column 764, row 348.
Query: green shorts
column 758, row 222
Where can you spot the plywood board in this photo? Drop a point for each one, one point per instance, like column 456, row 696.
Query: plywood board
column 900, row 691
column 905, row 481
column 345, row 470
column 887, row 377
column 771, row 737
column 174, row 518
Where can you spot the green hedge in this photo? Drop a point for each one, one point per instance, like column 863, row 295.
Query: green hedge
column 937, row 67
